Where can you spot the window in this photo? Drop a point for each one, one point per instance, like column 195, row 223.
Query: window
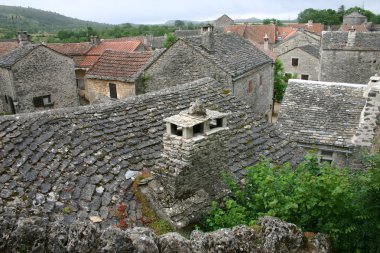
column 295, row 62
column 80, row 84
column 113, row 91
column 304, row 77
column 326, row 156
column 42, row 101
column 250, row 86
column 215, row 123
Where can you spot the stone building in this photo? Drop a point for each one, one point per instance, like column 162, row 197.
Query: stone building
column 78, row 163
column 310, row 26
column 302, row 61
column 34, row 78
column 336, row 119
column 237, row 64
column 354, row 18
column 349, row 57
column 222, row 22
column 297, row 39
column 115, row 74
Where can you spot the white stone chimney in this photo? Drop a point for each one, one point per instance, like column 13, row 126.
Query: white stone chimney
column 369, row 116
column 208, row 40
column 266, row 42
column 309, row 23
column 23, row 38
column 351, row 37
column 94, row 40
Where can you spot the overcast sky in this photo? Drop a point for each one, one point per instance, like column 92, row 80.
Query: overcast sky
column 159, row 11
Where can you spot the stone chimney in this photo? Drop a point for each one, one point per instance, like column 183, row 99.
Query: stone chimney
column 194, row 156
column 266, row 42
column 365, row 135
column 148, row 40
column 23, row 38
column 94, row 40
column 351, row 37
column 208, row 37
column 309, row 23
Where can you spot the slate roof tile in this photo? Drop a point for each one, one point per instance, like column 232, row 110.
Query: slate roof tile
column 311, row 49
column 16, row 54
column 61, row 157
column 321, row 112
column 338, row 41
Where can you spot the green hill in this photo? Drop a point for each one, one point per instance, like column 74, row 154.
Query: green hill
column 13, row 19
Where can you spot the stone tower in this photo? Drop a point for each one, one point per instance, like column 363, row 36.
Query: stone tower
column 195, row 154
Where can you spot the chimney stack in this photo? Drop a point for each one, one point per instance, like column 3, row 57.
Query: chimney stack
column 266, row 42
column 351, row 37
column 94, row 40
column 23, row 38
column 208, row 40
column 309, row 23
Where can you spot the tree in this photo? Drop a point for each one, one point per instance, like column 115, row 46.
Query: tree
column 179, row 23
column 280, row 81
column 268, row 21
column 325, row 16
column 170, row 39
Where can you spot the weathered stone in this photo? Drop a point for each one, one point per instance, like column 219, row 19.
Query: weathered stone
column 143, row 240
column 57, row 237
column 81, row 237
column 115, row 240
column 87, row 192
column 174, row 243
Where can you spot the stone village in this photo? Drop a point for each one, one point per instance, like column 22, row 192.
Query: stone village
column 181, row 114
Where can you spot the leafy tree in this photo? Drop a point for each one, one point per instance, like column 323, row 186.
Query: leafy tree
column 280, row 81
column 170, row 39
column 179, row 23
column 319, row 198
column 268, row 21
column 325, row 16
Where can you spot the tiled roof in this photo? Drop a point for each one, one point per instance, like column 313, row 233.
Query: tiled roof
column 7, row 46
column 232, row 53
column 316, row 28
column 187, row 33
column 88, row 61
column 124, row 46
column 122, row 66
column 321, row 113
column 355, row 14
column 76, row 159
column 311, row 49
column 285, row 31
column 254, row 32
column 15, row 55
column 358, row 28
column 71, row 49
column 338, row 41
column 268, row 52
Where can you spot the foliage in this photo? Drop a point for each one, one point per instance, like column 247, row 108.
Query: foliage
column 179, row 23
column 318, row 198
column 268, row 21
column 170, row 39
column 280, row 81
column 332, row 17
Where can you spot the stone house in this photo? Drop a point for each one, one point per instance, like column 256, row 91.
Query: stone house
column 237, row 64
column 310, row 26
column 302, row 61
column 354, row 18
column 34, row 78
column 297, row 39
column 222, row 22
column 336, row 119
column 84, row 159
column 349, row 57
column 115, row 74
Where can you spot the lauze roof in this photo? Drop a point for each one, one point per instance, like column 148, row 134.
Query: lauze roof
column 363, row 41
column 77, row 158
column 321, row 112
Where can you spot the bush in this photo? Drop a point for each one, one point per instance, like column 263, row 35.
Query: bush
column 318, row 198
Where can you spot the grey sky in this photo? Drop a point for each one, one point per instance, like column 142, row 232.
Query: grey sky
column 159, row 11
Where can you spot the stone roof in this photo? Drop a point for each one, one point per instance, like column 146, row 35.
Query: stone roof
column 311, row 49
column 8, row 60
column 232, row 53
column 72, row 163
column 358, row 28
column 355, row 14
column 338, row 41
column 71, row 49
column 122, row 66
column 7, row 46
column 323, row 113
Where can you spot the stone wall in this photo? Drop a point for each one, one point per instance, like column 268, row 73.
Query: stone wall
column 348, row 66
column 44, row 72
column 179, row 65
column 260, row 98
column 307, row 64
column 301, row 39
column 5, row 90
column 96, row 86
column 34, row 234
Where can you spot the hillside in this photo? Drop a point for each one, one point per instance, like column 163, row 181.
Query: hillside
column 13, row 19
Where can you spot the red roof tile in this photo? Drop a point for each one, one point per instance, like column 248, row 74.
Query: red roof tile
column 88, row 61
column 268, row 52
column 359, row 28
column 121, row 46
column 121, row 66
column 254, row 32
column 7, row 46
column 316, row 28
column 284, row 31
column 71, row 49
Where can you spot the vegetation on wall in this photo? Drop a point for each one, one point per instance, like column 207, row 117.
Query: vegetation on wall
column 319, row 198
column 170, row 39
column 280, row 81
